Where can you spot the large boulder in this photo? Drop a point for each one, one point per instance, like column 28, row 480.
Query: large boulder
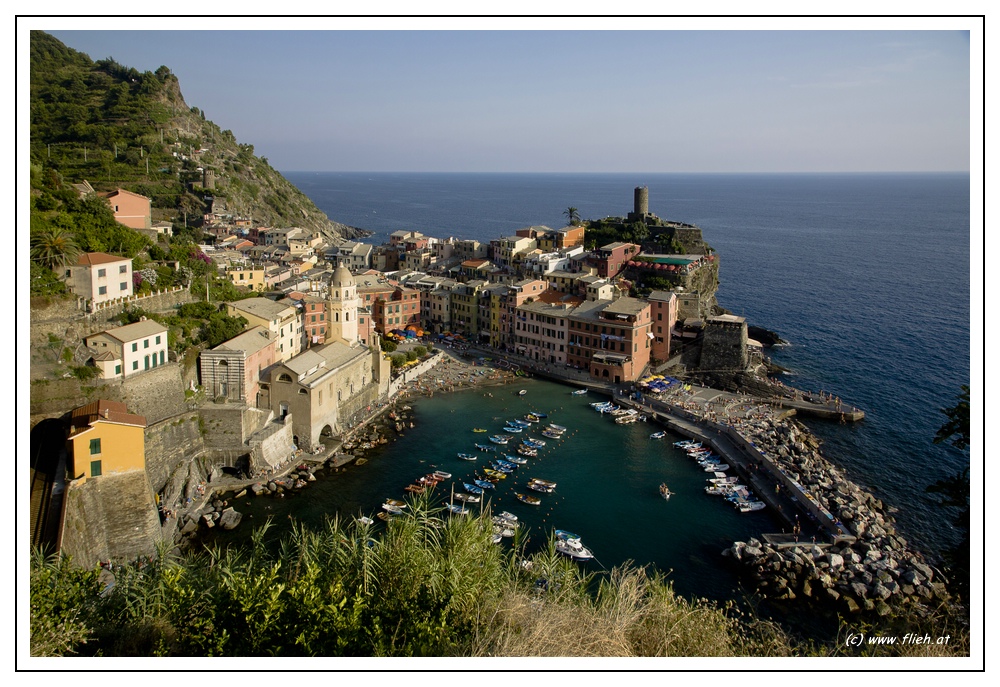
column 230, row 518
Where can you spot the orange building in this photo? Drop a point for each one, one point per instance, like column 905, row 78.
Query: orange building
column 105, row 438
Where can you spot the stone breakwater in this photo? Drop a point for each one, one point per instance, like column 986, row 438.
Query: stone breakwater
column 871, row 570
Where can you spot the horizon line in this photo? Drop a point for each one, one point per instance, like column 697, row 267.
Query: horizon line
column 411, row 171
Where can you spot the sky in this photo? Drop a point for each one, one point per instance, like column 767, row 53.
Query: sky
column 586, row 98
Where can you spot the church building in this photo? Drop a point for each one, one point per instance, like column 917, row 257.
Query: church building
column 325, row 387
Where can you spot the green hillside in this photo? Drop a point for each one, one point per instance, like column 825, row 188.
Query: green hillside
column 116, row 127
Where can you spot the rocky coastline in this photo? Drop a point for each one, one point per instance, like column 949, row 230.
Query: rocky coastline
column 875, row 572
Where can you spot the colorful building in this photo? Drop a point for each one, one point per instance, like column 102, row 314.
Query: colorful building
column 100, row 277
column 104, row 438
column 232, row 370
column 125, row 351
column 611, row 339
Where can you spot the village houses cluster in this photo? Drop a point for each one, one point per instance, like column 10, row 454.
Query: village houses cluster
column 324, row 307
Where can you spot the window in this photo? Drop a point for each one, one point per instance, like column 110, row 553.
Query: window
column 145, row 343
column 102, row 272
column 135, row 364
column 135, row 347
column 118, row 369
column 157, row 338
column 102, row 290
column 95, row 447
column 123, row 286
column 122, row 269
column 95, row 468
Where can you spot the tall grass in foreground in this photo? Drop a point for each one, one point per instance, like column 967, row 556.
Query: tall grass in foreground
column 427, row 585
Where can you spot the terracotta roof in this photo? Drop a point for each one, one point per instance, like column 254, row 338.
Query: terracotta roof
column 88, row 259
column 110, row 411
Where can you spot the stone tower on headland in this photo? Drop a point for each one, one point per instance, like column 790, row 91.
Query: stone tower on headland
column 640, row 207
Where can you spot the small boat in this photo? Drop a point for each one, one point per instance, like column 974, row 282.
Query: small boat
column 365, row 520
column 507, row 516
column 499, row 439
column 557, row 428
column 468, row 498
column 687, row 443
column 543, row 482
column 721, row 478
column 513, row 430
column 717, row 467
column 541, row 488
column 478, row 430
column 385, row 516
column 569, row 545
column 466, row 456
column 522, row 392
column 455, row 509
column 519, row 423
column 539, row 415
column 483, row 484
column 472, row 488
column 497, row 537
column 494, row 473
column 506, row 464
column 532, row 418
column 415, row 489
column 484, row 447
column 551, row 434
column 530, row 500
column 442, row 474
column 394, row 510
column 516, row 460
column 751, row 506
column 396, row 502
column 525, row 451
column 657, row 435
column 665, row 491
column 580, row 392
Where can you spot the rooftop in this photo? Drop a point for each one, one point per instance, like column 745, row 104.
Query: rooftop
column 136, row 330
column 109, row 411
column 88, row 259
column 262, row 307
column 249, row 341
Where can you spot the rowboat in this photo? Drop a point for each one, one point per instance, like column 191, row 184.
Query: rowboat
column 657, row 435
column 365, row 520
column 525, row 451
column 556, row 428
column 478, row 429
column 483, row 484
column 516, row 460
column 396, row 502
column 472, row 488
column 513, row 430
column 455, row 509
column 484, row 447
column 415, row 489
column 530, row 500
column 522, row 392
column 442, row 474
column 499, row 439
column 394, row 510
column 580, row 392
column 466, row 456
column 467, row 498
column 494, row 473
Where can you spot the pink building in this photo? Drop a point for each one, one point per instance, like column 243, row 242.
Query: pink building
column 131, row 209
column 611, row 339
column 663, row 311
column 232, row 370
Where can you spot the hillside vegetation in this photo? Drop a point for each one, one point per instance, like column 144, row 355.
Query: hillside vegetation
column 116, row 127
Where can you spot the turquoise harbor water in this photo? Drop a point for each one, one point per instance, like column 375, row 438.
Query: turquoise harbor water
column 866, row 275
column 607, row 475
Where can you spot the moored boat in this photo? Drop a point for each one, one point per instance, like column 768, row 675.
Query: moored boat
column 528, row 499
column 415, row 488
column 499, row 439
column 467, row 498
column 466, row 456
column 484, row 447
column 551, row 434
column 494, row 473
column 522, row 392
column 365, row 520
column 483, row 484
column 479, row 430
column 456, row 509
column 394, row 510
column 513, row 430
column 516, row 460
column 557, row 428
column 687, row 443
column 525, row 451
column 442, row 474
column 657, row 435
column 717, row 467
column 579, row 392
column 472, row 488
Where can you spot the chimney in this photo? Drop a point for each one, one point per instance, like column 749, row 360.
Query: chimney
column 107, row 413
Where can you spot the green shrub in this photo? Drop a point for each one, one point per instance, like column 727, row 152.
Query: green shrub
column 421, row 351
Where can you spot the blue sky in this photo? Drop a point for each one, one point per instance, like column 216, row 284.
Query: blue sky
column 575, row 100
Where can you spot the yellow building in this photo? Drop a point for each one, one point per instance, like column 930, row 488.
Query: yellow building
column 250, row 276
column 105, row 438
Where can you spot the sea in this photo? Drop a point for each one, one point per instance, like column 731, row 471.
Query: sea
column 866, row 276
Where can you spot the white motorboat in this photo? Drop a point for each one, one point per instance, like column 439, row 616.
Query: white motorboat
column 574, row 549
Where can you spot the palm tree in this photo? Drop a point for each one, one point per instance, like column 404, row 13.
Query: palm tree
column 572, row 214
column 54, row 247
